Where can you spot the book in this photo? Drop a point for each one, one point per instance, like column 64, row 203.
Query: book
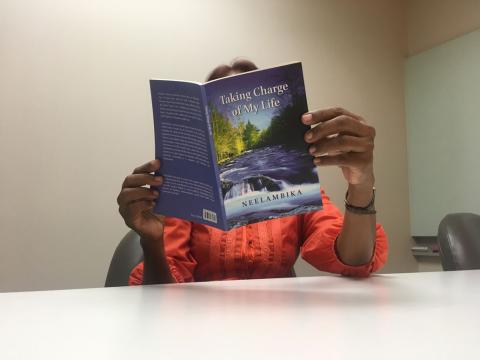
column 232, row 150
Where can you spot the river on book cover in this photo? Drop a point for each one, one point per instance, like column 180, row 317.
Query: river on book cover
column 265, row 169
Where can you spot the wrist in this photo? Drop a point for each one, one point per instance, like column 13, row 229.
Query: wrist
column 361, row 194
column 151, row 242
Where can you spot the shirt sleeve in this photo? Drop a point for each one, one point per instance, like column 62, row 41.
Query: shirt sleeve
column 320, row 231
column 177, row 251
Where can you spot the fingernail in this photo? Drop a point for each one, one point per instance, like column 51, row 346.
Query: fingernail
column 158, row 178
column 306, row 118
column 317, row 161
column 156, row 193
column 312, row 149
column 309, row 135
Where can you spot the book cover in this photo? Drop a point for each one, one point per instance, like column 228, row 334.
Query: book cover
column 183, row 143
column 233, row 150
column 264, row 166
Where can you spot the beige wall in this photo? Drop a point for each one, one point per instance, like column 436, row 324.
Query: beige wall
column 75, row 113
column 432, row 22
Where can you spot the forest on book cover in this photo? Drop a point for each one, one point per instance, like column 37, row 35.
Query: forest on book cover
column 232, row 140
column 262, row 153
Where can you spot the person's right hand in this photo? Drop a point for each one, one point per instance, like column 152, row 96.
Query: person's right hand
column 136, row 202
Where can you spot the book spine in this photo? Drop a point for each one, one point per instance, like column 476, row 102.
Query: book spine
column 221, row 206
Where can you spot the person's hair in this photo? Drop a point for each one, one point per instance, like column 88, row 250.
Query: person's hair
column 236, row 66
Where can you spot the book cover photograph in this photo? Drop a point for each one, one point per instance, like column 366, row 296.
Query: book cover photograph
column 264, row 168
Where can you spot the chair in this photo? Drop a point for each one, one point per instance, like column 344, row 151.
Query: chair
column 459, row 241
column 127, row 255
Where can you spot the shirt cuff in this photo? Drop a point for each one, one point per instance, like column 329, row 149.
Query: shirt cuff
column 362, row 270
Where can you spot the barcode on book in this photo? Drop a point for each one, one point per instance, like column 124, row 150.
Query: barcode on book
column 209, row 216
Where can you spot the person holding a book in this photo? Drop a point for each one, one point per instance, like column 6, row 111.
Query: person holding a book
column 353, row 244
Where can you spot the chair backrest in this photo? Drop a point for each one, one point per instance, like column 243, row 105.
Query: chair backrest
column 459, row 241
column 127, row 255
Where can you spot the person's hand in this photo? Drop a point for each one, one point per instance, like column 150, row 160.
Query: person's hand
column 344, row 139
column 136, row 202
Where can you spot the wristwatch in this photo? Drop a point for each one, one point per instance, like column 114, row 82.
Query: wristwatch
column 361, row 210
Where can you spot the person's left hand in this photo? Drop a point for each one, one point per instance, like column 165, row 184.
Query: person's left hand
column 344, row 139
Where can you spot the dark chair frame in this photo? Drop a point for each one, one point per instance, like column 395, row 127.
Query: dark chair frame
column 459, row 241
column 127, row 255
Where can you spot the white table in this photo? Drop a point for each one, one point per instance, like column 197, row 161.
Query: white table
column 400, row 316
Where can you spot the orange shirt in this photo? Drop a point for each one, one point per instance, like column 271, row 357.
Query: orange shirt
column 266, row 249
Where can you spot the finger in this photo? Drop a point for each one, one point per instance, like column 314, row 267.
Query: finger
column 342, row 124
column 347, row 159
column 137, row 207
column 128, row 195
column 131, row 210
column 148, row 167
column 341, row 144
column 136, row 180
column 319, row 116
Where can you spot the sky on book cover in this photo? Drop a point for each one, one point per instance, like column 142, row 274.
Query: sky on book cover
column 265, row 169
